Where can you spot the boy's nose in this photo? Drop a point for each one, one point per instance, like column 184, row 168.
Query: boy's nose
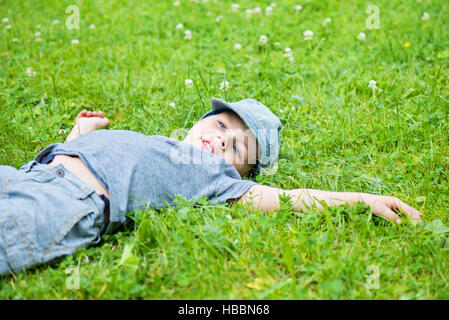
column 227, row 139
column 222, row 140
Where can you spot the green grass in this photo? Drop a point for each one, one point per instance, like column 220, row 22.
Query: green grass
column 337, row 136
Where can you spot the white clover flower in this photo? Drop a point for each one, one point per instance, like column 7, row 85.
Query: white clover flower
column 229, row 216
column 225, row 85
column 288, row 54
column 177, row 3
column 172, row 104
column 188, row 83
column 235, row 7
column 361, row 36
column 75, row 41
column 257, row 10
column 217, row 19
column 263, row 39
column 425, row 16
column 277, row 44
column 237, row 46
column 269, row 11
column 38, row 39
column 5, row 20
column 179, row 26
column 372, row 84
column 326, row 22
column 249, row 12
column 188, row 35
column 298, row 8
column 61, row 131
column 14, row 39
column 8, row 27
column 308, row 35
column 37, row 34
column 92, row 26
column 30, row 72
column 273, row 4
column 55, row 21
column 38, row 26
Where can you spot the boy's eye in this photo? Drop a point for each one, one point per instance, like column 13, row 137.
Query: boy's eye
column 235, row 148
column 221, row 125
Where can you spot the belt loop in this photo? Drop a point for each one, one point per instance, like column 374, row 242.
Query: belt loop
column 27, row 167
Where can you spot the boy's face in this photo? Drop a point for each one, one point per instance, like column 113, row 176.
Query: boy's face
column 227, row 136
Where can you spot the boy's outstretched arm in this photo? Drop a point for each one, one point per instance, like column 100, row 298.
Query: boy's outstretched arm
column 87, row 121
column 266, row 198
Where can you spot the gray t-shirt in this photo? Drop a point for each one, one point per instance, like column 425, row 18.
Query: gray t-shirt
column 140, row 170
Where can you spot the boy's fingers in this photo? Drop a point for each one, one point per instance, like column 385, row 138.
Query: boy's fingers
column 80, row 115
column 95, row 114
column 85, row 113
column 406, row 209
column 390, row 215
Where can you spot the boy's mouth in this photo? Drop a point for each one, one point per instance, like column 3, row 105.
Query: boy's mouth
column 206, row 145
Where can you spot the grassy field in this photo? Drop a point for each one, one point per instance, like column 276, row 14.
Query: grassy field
column 130, row 60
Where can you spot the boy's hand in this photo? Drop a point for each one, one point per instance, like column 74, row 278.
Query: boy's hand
column 384, row 206
column 91, row 120
column 87, row 121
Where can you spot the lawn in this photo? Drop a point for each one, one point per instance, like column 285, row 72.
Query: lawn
column 342, row 132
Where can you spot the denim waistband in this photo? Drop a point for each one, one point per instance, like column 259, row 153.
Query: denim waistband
column 27, row 167
column 60, row 170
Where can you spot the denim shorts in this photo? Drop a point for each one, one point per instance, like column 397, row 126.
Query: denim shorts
column 46, row 212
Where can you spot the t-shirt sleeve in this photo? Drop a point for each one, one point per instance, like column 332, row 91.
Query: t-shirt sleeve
column 226, row 188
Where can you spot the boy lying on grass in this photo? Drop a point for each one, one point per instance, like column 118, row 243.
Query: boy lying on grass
column 72, row 193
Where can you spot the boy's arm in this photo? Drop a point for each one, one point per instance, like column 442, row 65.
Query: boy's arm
column 75, row 133
column 87, row 121
column 267, row 198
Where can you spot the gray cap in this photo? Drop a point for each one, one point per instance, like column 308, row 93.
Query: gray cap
column 262, row 123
